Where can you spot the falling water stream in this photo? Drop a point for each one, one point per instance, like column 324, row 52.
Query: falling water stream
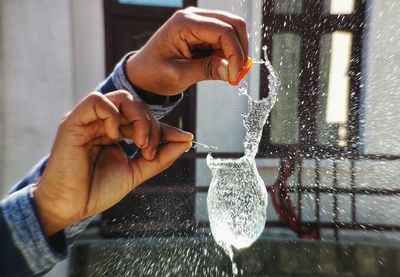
column 237, row 198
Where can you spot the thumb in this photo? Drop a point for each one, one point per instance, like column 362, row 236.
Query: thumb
column 143, row 170
column 207, row 68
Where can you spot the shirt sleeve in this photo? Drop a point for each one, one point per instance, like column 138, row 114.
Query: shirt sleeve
column 27, row 250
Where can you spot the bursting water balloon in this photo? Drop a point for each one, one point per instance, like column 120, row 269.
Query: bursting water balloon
column 237, row 198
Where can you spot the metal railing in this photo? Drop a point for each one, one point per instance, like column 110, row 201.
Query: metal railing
column 289, row 209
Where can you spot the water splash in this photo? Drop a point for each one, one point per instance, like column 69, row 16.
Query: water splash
column 237, row 198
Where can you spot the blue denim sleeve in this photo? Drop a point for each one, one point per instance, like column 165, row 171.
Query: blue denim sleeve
column 25, row 250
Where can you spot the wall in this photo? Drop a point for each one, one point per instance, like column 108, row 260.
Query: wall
column 52, row 54
column 37, row 65
column 380, row 131
column 89, row 48
column 2, row 115
column 382, row 97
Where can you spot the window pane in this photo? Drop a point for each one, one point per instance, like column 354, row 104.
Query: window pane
column 159, row 3
column 334, row 86
column 286, row 60
column 288, row 6
column 339, row 6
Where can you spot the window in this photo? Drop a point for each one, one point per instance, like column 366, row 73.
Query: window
column 315, row 45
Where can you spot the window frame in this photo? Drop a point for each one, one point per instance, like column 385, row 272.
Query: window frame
column 161, row 189
column 311, row 28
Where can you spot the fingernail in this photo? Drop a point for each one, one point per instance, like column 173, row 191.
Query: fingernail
column 153, row 154
column 190, row 146
column 191, row 136
column 146, row 143
column 187, row 133
column 223, row 72
column 233, row 80
column 237, row 76
column 243, row 72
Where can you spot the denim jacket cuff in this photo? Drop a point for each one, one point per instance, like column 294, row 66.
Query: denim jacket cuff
column 28, row 234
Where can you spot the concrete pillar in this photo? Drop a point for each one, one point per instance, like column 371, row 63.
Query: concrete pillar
column 37, row 60
column 51, row 56
column 2, row 129
column 88, row 45
column 381, row 130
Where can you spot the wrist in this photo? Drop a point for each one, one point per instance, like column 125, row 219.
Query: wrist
column 138, row 82
column 136, row 76
column 51, row 222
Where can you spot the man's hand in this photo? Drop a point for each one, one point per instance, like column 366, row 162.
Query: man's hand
column 87, row 172
column 193, row 45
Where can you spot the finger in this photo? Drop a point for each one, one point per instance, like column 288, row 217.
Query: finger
column 127, row 131
column 173, row 134
column 95, row 132
column 135, row 114
column 208, row 68
column 201, row 29
column 103, row 140
column 97, row 107
column 143, row 169
column 237, row 22
column 150, row 151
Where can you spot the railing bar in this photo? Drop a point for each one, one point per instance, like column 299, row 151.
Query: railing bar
column 275, row 154
column 369, row 191
column 335, row 200
column 353, row 193
column 299, row 187
column 124, row 228
column 202, row 189
column 317, row 191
